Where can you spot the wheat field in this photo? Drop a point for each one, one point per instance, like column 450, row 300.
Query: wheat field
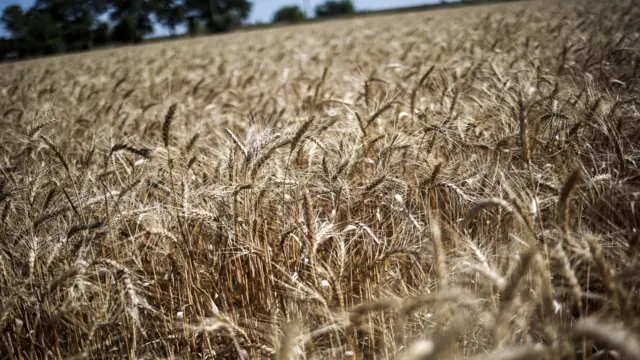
column 445, row 184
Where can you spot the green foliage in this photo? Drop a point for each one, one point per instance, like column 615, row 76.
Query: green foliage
column 126, row 31
column 334, row 8
column 41, row 35
column 134, row 19
column 123, row 8
column 193, row 26
column 14, row 20
column 101, row 34
column 74, row 18
column 170, row 13
column 288, row 14
column 64, row 25
column 220, row 15
column 72, row 12
column 5, row 47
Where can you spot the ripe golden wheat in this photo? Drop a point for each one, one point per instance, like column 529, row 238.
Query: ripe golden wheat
column 436, row 185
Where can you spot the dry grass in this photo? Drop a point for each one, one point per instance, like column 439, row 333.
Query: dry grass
column 450, row 184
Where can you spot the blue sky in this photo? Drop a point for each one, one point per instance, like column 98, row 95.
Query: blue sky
column 262, row 9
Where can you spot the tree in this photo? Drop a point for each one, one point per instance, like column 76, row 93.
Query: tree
column 6, row 47
column 288, row 14
column 220, row 15
column 14, row 20
column 101, row 34
column 72, row 11
column 125, row 31
column 41, row 35
column 170, row 13
column 76, row 19
column 133, row 16
column 34, row 32
column 334, row 8
column 193, row 25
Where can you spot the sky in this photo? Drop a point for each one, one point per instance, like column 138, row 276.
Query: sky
column 262, row 9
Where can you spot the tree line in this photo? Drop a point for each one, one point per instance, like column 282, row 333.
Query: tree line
column 292, row 14
column 56, row 26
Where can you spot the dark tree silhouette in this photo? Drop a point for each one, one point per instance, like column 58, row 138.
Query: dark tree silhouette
column 288, row 14
column 170, row 13
column 134, row 19
column 14, row 20
column 220, row 15
column 334, row 8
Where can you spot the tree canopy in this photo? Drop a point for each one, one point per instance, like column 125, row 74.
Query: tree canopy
column 220, row 15
column 14, row 19
column 51, row 26
column 288, row 14
column 334, row 8
column 171, row 13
